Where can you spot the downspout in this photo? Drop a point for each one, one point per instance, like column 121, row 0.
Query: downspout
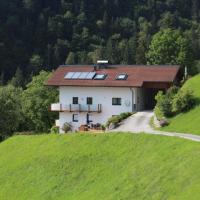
column 132, row 93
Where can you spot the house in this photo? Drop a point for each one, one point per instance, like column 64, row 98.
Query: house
column 92, row 94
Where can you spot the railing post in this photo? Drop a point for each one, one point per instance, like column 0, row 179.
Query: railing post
column 79, row 107
column 60, row 107
column 70, row 107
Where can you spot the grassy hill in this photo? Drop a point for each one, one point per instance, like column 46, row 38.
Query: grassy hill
column 188, row 122
column 99, row 167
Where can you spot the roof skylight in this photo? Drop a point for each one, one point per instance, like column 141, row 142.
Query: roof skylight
column 121, row 77
column 100, row 77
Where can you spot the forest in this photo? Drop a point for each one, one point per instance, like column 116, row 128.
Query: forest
column 40, row 35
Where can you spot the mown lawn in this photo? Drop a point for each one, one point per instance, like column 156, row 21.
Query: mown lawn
column 99, row 167
column 188, row 122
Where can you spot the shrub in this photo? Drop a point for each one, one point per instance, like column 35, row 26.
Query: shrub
column 115, row 120
column 183, row 101
column 159, row 113
column 164, row 103
column 125, row 115
column 54, row 130
column 67, row 127
column 103, row 127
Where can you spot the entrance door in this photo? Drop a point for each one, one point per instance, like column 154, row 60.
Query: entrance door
column 88, row 118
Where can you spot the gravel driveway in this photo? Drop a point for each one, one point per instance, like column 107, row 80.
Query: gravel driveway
column 139, row 122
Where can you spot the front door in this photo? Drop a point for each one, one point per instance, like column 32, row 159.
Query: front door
column 88, row 118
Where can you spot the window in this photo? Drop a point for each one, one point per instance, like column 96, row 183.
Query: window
column 75, row 117
column 121, row 77
column 89, row 100
column 100, row 77
column 75, row 100
column 116, row 101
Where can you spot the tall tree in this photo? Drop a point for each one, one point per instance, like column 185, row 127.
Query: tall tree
column 10, row 110
column 18, row 79
column 170, row 47
column 37, row 99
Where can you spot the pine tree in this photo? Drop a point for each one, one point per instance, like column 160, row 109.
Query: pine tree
column 2, row 79
column 17, row 80
column 70, row 59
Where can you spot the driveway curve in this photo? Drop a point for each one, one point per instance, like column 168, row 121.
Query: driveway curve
column 140, row 123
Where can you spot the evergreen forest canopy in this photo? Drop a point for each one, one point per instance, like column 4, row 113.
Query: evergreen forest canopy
column 41, row 34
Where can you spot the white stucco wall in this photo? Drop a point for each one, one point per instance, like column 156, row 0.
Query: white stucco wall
column 100, row 95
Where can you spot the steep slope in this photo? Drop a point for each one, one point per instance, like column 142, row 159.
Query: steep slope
column 98, row 167
column 188, row 122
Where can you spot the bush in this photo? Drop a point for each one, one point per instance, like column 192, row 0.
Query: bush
column 125, row 115
column 173, row 102
column 115, row 120
column 164, row 103
column 159, row 113
column 54, row 130
column 183, row 101
column 67, row 127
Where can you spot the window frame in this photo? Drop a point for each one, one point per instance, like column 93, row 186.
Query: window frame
column 100, row 78
column 75, row 100
column 87, row 101
column 74, row 119
column 121, row 74
column 116, row 101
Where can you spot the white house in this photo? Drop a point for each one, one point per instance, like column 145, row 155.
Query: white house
column 92, row 94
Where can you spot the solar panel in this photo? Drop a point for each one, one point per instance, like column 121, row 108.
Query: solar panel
column 121, row 77
column 76, row 75
column 69, row 75
column 100, row 77
column 80, row 75
column 83, row 75
column 90, row 75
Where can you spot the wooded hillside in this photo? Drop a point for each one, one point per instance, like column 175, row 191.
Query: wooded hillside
column 41, row 34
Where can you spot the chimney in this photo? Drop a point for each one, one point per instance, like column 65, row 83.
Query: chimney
column 102, row 64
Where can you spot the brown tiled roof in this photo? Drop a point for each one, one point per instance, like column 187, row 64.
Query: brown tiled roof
column 137, row 75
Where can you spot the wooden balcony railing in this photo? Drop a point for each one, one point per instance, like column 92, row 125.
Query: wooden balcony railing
column 76, row 108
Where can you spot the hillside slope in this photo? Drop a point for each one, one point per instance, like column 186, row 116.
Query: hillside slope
column 188, row 122
column 99, row 167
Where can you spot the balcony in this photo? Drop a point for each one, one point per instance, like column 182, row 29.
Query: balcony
column 76, row 108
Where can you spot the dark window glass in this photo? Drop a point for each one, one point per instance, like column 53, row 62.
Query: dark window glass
column 75, row 118
column 89, row 100
column 75, row 100
column 116, row 101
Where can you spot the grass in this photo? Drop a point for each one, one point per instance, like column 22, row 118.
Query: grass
column 99, row 167
column 188, row 122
